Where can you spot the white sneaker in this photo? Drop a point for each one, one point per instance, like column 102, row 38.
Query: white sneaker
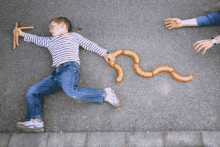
column 111, row 97
column 34, row 125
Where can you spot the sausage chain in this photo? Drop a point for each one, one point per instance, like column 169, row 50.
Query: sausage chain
column 16, row 34
column 142, row 73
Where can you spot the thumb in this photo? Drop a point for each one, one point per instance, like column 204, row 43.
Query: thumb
column 106, row 58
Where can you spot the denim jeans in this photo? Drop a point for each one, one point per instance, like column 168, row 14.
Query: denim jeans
column 64, row 77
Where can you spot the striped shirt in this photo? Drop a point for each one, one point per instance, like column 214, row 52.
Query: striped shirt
column 65, row 48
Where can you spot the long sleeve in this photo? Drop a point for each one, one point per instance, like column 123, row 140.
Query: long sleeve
column 40, row 41
column 212, row 19
column 91, row 46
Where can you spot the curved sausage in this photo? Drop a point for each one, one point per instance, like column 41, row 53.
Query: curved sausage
column 180, row 78
column 133, row 55
column 142, row 73
column 160, row 69
column 120, row 73
column 116, row 54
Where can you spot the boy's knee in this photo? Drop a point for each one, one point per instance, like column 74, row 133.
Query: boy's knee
column 31, row 91
column 71, row 93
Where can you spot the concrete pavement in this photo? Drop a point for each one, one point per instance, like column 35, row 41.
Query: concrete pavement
column 113, row 139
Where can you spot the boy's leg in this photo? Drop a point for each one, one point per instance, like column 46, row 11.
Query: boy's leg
column 69, row 82
column 36, row 93
column 35, row 98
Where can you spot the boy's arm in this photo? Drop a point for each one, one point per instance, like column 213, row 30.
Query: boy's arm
column 91, row 46
column 40, row 41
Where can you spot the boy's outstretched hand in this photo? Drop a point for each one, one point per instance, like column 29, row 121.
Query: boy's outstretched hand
column 107, row 56
column 206, row 44
column 172, row 23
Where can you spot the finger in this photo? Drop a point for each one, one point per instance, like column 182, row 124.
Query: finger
column 198, row 46
column 167, row 23
column 204, row 51
column 198, row 42
column 113, row 54
column 170, row 19
column 201, row 47
column 113, row 58
column 106, row 60
column 170, row 25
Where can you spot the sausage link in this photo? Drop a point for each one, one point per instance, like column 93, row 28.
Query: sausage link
column 160, row 69
column 180, row 78
column 133, row 55
column 120, row 73
column 142, row 73
column 28, row 27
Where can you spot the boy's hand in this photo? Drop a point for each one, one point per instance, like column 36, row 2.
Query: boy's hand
column 20, row 33
column 206, row 44
column 172, row 23
column 107, row 56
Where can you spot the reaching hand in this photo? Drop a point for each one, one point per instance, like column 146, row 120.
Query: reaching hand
column 206, row 44
column 173, row 23
column 107, row 56
column 20, row 33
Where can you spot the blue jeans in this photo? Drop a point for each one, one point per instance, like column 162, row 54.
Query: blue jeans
column 64, row 77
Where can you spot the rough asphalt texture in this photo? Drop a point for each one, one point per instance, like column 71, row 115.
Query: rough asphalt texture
column 159, row 103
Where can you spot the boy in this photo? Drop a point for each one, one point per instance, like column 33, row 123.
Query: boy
column 64, row 47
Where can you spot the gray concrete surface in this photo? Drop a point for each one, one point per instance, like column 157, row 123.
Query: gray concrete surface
column 156, row 104
column 113, row 139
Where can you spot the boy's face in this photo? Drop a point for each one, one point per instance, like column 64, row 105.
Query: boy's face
column 57, row 29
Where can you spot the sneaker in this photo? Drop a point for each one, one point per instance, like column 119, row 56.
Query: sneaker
column 34, row 125
column 111, row 97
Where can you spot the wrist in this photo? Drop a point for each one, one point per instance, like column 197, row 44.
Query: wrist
column 22, row 34
column 214, row 41
column 106, row 53
column 217, row 39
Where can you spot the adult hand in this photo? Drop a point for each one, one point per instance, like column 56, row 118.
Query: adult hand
column 107, row 56
column 203, row 44
column 173, row 23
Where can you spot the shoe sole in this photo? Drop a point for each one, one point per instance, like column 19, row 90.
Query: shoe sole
column 115, row 105
column 30, row 129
